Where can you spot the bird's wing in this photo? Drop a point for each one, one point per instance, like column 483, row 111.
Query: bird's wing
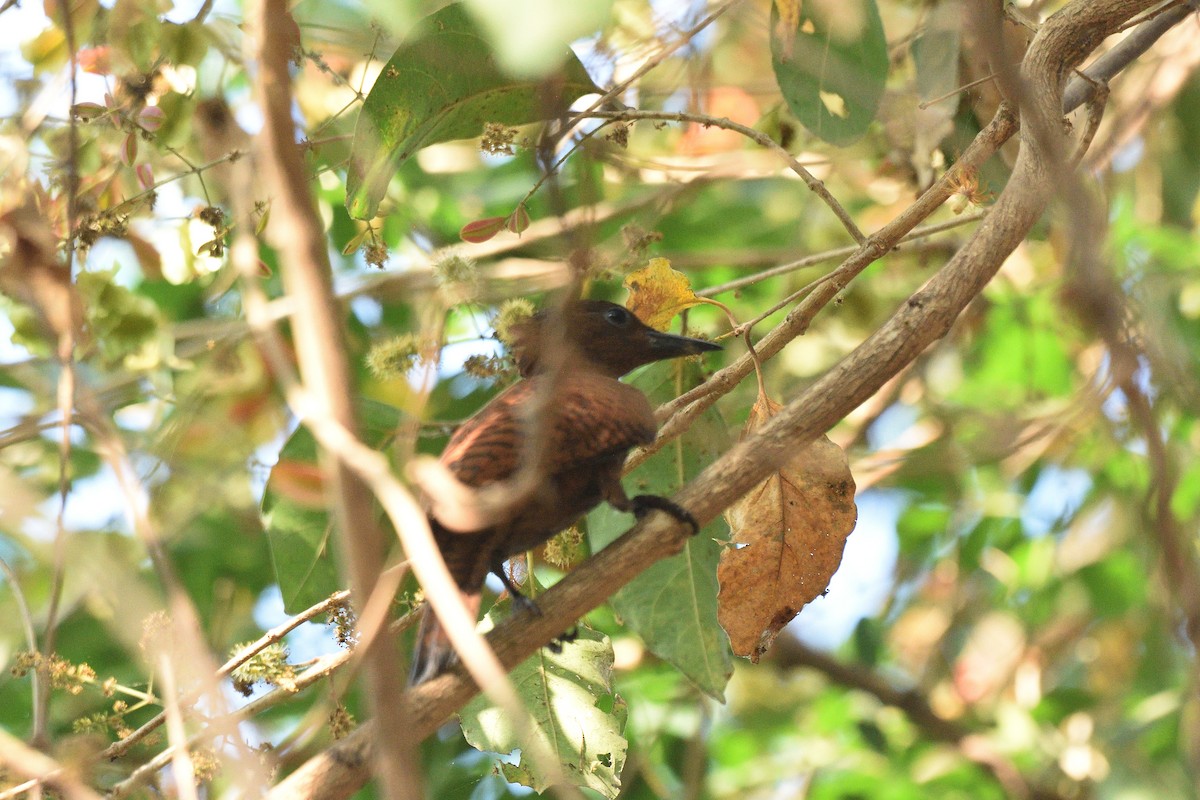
column 591, row 417
column 486, row 448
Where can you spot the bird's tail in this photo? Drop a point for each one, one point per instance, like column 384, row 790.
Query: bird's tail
column 433, row 652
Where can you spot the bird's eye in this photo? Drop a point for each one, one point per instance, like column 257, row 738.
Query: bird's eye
column 617, row 316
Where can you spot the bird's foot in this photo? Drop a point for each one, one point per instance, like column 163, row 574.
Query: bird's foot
column 521, row 603
column 566, row 637
column 644, row 503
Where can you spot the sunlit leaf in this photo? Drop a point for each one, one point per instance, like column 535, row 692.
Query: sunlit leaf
column 831, row 66
column 356, row 241
column 565, row 693
column 442, row 84
column 88, row 111
column 657, row 293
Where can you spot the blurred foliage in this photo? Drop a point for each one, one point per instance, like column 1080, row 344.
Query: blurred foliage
column 1007, row 576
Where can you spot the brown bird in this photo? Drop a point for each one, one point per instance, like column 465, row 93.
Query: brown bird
column 590, row 424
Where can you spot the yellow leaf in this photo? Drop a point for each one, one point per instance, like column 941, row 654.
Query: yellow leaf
column 657, row 293
column 789, row 533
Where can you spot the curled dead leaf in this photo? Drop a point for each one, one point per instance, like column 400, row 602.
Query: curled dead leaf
column 788, row 533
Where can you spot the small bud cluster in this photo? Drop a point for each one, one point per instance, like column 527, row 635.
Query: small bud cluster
column 488, row 367
column 343, row 622
column 106, row 722
column 511, row 314
column 618, row 134
column 498, row 139
column 393, row 358
column 376, row 254
column 341, row 722
column 70, row 678
column 268, row 665
column 565, row 549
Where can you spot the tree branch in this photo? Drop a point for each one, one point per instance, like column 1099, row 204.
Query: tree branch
column 41, row 770
column 815, row 185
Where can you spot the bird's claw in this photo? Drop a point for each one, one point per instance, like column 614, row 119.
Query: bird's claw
column 523, row 604
column 555, row 645
column 644, row 503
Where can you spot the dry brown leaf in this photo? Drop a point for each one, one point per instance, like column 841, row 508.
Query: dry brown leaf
column 789, row 533
column 657, row 293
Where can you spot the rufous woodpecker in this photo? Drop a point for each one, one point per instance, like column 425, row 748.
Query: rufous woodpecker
column 589, row 425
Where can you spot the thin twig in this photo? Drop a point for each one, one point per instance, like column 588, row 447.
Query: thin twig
column 41, row 769
column 181, row 760
column 276, row 634
column 36, row 675
column 357, row 471
column 321, row 668
column 758, row 137
column 614, row 94
column 840, row 252
column 924, row 104
column 298, row 233
column 790, row 652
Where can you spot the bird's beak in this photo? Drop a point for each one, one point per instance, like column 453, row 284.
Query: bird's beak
column 667, row 345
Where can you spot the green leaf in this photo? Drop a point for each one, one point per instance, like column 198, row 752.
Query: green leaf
column 673, row 604
column 123, row 324
column 923, row 521
column 832, row 70
column 442, row 84
column 1061, row 702
column 565, row 693
column 1186, row 499
column 868, row 641
column 297, row 524
column 537, row 44
column 1116, row 585
column 1021, row 355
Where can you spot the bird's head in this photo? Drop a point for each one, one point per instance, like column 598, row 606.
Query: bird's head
column 599, row 335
